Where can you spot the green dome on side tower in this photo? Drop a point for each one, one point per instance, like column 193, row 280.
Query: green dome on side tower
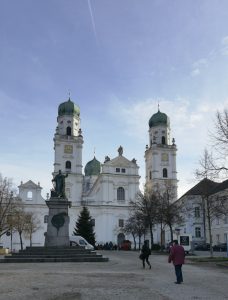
column 159, row 119
column 68, row 108
column 93, row 167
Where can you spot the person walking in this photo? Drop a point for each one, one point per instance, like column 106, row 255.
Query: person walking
column 177, row 256
column 145, row 253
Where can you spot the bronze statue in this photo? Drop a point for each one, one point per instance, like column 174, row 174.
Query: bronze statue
column 59, row 189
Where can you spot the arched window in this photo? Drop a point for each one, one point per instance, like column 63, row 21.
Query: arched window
column 68, row 165
column 163, row 140
column 165, row 173
column 68, row 130
column 120, row 193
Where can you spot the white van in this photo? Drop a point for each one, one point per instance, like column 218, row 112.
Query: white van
column 80, row 241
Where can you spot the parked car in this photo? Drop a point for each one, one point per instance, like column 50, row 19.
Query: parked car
column 76, row 240
column 220, row 247
column 202, row 247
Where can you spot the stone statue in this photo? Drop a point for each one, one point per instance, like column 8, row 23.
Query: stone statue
column 120, row 150
column 59, row 180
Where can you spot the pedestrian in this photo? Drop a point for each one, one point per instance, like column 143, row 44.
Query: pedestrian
column 145, row 253
column 177, row 255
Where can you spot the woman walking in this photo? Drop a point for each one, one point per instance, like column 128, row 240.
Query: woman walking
column 145, row 253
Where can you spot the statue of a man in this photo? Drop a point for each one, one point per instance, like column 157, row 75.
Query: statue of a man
column 59, row 180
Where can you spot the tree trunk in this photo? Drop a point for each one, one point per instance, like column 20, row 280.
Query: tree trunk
column 20, row 234
column 171, row 232
column 151, row 235
column 209, row 228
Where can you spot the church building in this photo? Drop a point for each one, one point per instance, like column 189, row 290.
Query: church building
column 105, row 188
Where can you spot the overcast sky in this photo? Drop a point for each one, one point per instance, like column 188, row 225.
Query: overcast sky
column 118, row 59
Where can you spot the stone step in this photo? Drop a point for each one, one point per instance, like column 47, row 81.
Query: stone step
column 53, row 255
column 52, row 259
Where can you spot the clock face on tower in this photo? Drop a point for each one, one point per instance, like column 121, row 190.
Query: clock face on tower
column 165, row 157
column 68, row 149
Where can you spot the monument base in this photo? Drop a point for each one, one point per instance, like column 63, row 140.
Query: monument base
column 58, row 222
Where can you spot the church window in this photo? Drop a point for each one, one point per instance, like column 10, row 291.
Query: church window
column 29, row 195
column 46, row 219
column 117, row 170
column 120, row 193
column 123, row 170
column 68, row 130
column 92, row 222
column 165, row 173
column 121, row 223
column 68, row 165
column 163, row 140
column 198, row 232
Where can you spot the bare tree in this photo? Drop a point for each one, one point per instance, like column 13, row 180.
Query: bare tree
column 32, row 224
column 136, row 226
column 213, row 206
column 7, row 204
column 219, row 139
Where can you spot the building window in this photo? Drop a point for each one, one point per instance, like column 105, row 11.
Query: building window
column 217, row 238
column 165, row 173
column 68, row 165
column 29, row 195
column 225, row 237
column 197, row 232
column 117, row 170
column 68, row 130
column 121, row 223
column 92, row 222
column 226, row 220
column 163, row 140
column 46, row 219
column 217, row 221
column 120, row 193
column 197, row 212
column 123, row 170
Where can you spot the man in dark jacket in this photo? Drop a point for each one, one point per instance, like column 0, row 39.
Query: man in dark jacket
column 177, row 256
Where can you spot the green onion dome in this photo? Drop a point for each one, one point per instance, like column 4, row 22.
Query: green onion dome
column 159, row 119
column 93, row 167
column 68, row 108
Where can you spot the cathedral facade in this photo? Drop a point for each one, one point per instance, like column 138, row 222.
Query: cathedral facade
column 106, row 188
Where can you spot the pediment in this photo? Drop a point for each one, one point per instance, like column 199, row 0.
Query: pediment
column 29, row 185
column 120, row 161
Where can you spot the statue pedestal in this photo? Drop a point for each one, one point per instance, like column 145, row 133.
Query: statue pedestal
column 58, row 222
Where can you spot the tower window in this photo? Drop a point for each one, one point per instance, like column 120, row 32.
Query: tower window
column 120, row 194
column 163, row 140
column 165, row 173
column 150, row 175
column 68, row 165
column 121, row 223
column 68, row 130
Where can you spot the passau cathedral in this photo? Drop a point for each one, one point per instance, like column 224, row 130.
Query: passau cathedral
column 107, row 187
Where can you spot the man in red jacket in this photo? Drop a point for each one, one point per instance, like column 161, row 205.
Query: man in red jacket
column 177, row 256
